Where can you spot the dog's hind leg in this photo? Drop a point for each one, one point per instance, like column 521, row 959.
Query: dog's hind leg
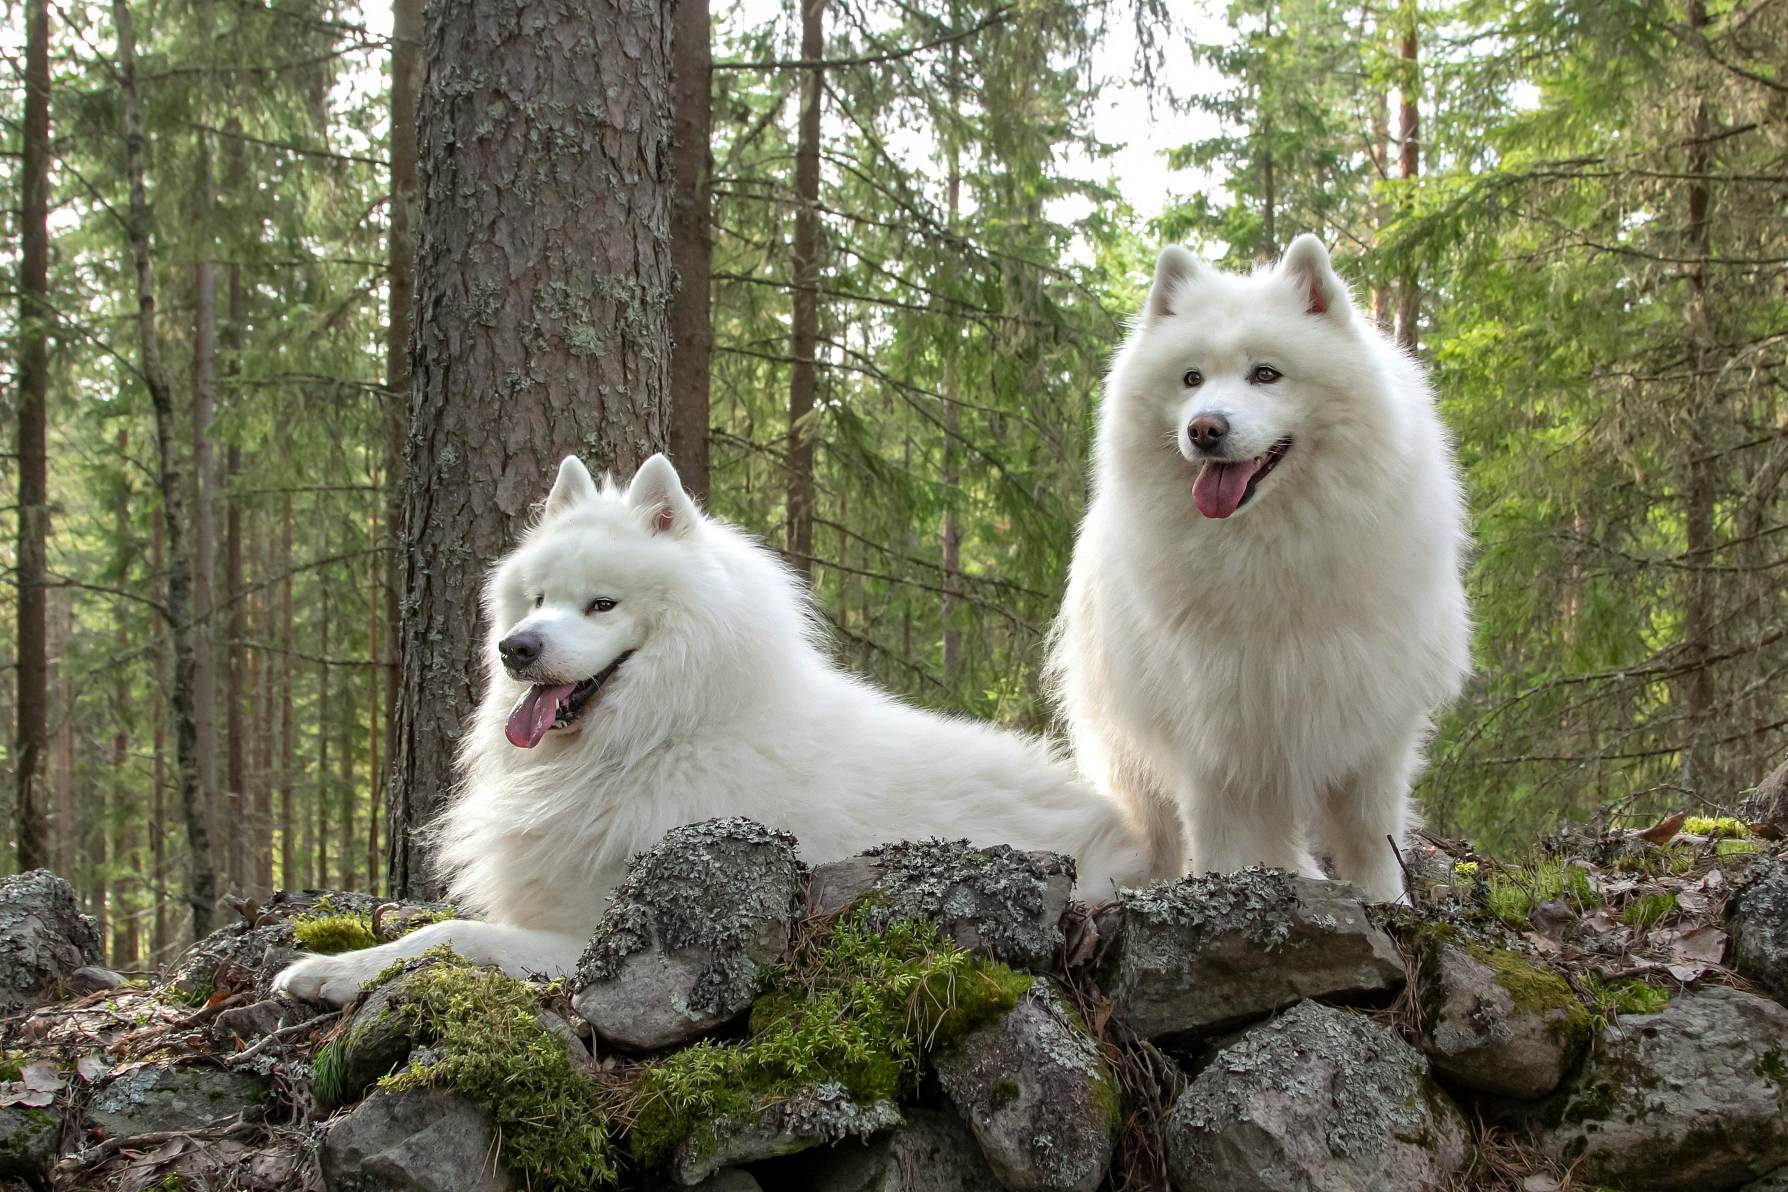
column 1362, row 815
column 518, row 951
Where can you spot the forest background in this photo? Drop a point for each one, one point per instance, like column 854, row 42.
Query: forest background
column 923, row 225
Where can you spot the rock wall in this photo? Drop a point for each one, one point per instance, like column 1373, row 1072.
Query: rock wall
column 931, row 1016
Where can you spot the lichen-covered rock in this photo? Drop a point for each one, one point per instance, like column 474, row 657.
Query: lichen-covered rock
column 1212, row 951
column 995, row 902
column 371, row 1045
column 1775, row 1181
column 251, row 1022
column 810, row 1118
column 1759, row 920
column 1496, row 1021
column 1317, row 1100
column 28, row 1141
column 1037, row 1095
column 679, row 950
column 932, row 1152
column 1770, row 800
column 1692, row 1097
column 43, row 939
column 424, row 1141
column 730, row 1179
column 160, row 1097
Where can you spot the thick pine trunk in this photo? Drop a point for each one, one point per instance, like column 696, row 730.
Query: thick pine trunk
column 803, row 378
column 31, row 697
column 1409, row 288
column 201, row 887
column 1698, row 490
column 543, row 277
column 692, row 248
column 204, row 514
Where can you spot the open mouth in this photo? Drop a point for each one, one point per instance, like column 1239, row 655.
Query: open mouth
column 548, row 706
column 1223, row 487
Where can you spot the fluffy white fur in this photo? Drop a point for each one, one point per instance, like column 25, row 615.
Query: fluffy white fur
column 728, row 705
column 1260, row 685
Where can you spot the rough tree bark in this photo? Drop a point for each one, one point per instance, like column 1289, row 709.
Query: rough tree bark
column 951, row 544
column 201, row 887
column 692, row 247
column 204, row 506
column 803, row 374
column 31, row 791
column 1698, row 494
column 1409, row 287
column 241, row 835
column 543, row 280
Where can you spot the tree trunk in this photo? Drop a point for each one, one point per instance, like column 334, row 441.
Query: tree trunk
column 240, row 836
column 201, row 888
column 1702, row 416
column 374, row 672
column 319, row 810
column 1381, row 135
column 692, row 247
column 288, row 818
column 952, row 475
column 121, row 817
column 803, row 380
column 162, row 935
column 32, row 694
column 543, row 277
column 204, row 510
column 1409, row 289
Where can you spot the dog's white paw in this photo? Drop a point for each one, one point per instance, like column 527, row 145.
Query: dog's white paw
column 332, row 980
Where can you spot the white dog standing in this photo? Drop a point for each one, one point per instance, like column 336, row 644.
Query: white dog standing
column 1265, row 606
column 651, row 667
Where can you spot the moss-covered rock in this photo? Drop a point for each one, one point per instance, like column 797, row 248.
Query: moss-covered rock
column 160, row 1097
column 1317, row 1099
column 28, row 1142
column 1759, row 919
column 996, row 902
column 1691, row 1098
column 1495, row 1020
column 43, row 938
column 1038, row 1096
column 1208, row 952
column 682, row 947
column 429, row 1140
column 929, row 1152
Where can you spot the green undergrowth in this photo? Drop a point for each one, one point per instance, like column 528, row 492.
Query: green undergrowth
column 1708, row 825
column 1647, row 910
column 325, row 930
column 1514, row 891
column 859, row 1007
column 1625, row 997
column 491, row 1048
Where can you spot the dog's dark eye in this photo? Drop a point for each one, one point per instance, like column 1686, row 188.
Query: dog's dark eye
column 540, row 600
column 599, row 605
column 1193, row 378
column 1264, row 374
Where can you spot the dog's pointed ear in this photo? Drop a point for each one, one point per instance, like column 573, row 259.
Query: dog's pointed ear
column 1173, row 269
column 573, row 487
column 1307, row 264
column 657, row 493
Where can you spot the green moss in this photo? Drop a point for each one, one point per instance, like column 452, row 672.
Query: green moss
column 1534, row 990
column 330, row 934
column 1647, row 911
column 1736, row 848
column 12, row 1065
column 491, row 1048
column 1515, row 890
column 863, row 1012
column 1465, row 870
column 1772, row 1068
column 1627, row 997
column 1706, row 825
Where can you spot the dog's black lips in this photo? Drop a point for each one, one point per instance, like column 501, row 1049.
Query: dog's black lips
column 580, row 694
column 1274, row 454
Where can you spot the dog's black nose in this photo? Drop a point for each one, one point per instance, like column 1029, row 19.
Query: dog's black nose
column 520, row 650
column 1207, row 430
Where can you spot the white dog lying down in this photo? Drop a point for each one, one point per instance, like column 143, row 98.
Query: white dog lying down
column 1265, row 606
column 650, row 667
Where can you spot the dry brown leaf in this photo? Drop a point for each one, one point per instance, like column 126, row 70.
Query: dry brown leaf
column 1666, row 828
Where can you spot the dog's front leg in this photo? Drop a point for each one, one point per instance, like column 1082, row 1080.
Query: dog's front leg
column 1232, row 830
column 1361, row 816
column 518, row 951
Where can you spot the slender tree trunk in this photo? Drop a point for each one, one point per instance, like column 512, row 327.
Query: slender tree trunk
column 288, row 748
column 1702, row 417
column 121, row 818
column 319, row 811
column 202, row 876
column 345, row 722
column 543, row 277
column 1409, row 289
column 66, row 829
column 162, row 934
column 204, row 508
column 1268, row 183
column 692, row 246
column 952, row 476
column 1381, row 136
column 32, row 694
column 266, row 722
column 241, row 835
column 374, row 673
column 803, row 379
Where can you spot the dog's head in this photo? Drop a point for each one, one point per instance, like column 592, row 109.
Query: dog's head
column 584, row 592
column 1236, row 384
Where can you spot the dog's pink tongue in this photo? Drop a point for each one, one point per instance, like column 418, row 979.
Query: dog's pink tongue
column 534, row 714
column 1219, row 487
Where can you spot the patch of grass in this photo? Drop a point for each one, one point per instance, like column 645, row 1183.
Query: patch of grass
column 863, row 1010
column 491, row 1048
column 12, row 1065
column 1724, row 825
column 1736, row 848
column 1647, row 911
column 332, row 933
column 1626, row 997
column 1515, row 890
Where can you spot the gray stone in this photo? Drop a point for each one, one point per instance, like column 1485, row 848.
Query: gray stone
column 375, row 1041
column 679, row 950
column 932, row 1152
column 1775, row 1181
column 1037, row 1095
column 1692, row 1097
column 91, row 978
column 251, row 1022
column 1769, row 802
column 730, row 1179
column 160, row 1097
column 29, row 1140
column 424, row 1141
column 1496, row 1021
column 44, row 938
column 1213, row 951
column 995, row 902
column 1759, row 921
column 1317, row 1100
column 810, row 1118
